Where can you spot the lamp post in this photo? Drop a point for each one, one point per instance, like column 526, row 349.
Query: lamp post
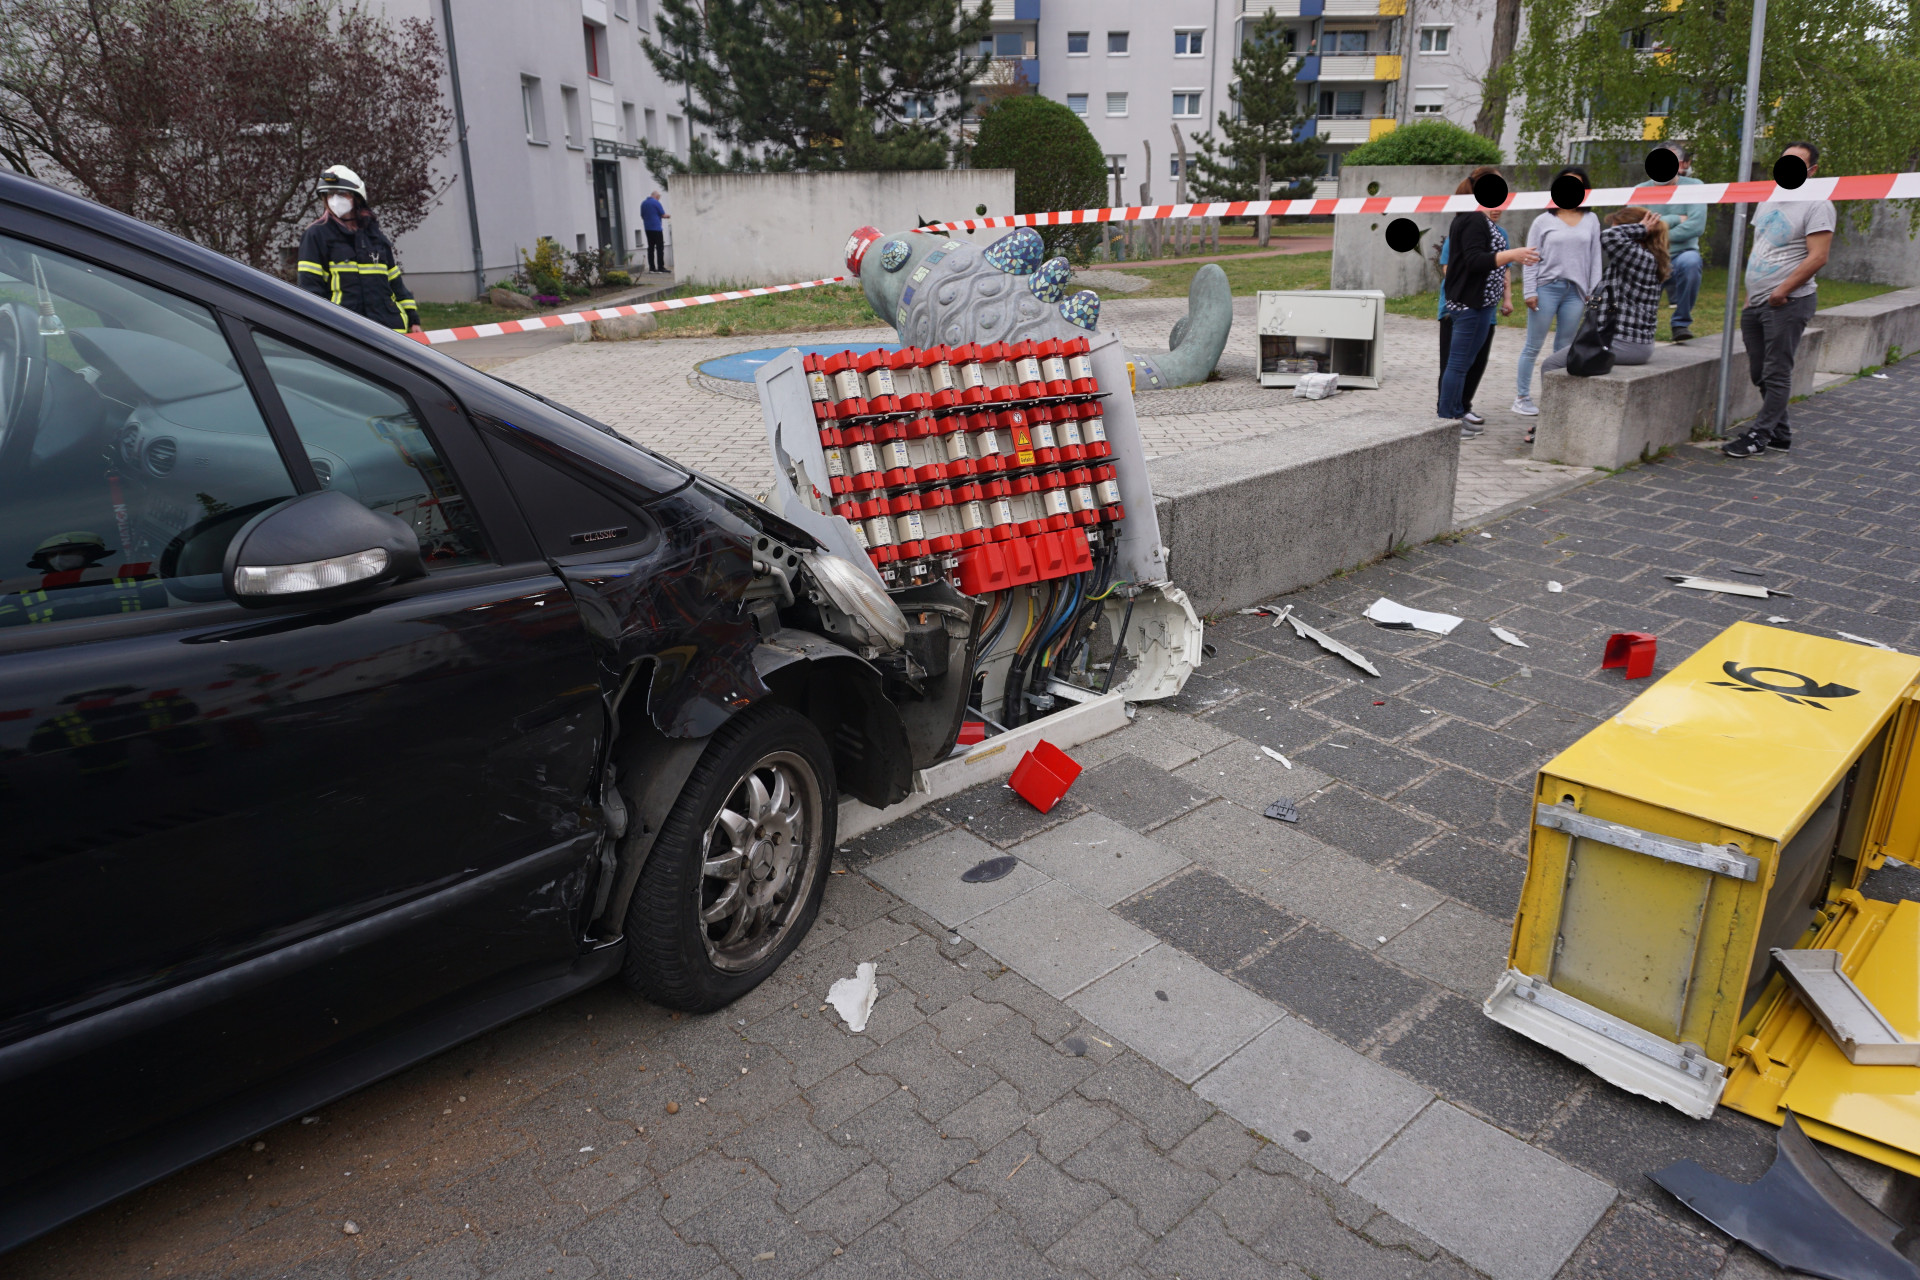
column 1749, row 122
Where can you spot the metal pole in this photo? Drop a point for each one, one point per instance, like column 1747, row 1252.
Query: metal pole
column 466, row 155
column 1749, row 121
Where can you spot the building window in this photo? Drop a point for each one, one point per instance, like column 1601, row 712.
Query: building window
column 652, row 140
column 1343, row 102
column 1116, row 104
column 620, row 9
column 1173, row 167
column 642, row 14
column 1186, row 103
column 1186, row 44
column 1076, row 44
column 1009, row 44
column 916, row 109
column 570, row 114
column 1077, row 103
column 597, row 65
column 675, row 141
column 533, row 110
column 1116, row 168
column 1429, row 100
column 630, row 121
column 1331, row 159
column 1343, row 42
column 1434, row 39
column 1116, row 43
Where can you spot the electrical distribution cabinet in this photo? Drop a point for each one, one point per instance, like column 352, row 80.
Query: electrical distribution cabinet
column 1335, row 331
column 1692, row 926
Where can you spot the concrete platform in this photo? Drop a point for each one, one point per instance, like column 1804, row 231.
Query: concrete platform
column 1861, row 335
column 1248, row 520
column 1634, row 412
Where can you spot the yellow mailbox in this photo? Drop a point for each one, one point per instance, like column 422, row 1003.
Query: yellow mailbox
column 1729, row 813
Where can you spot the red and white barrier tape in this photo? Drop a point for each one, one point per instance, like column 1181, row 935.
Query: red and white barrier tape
column 1877, row 186
column 460, row 333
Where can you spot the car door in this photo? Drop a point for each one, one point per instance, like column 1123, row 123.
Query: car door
column 246, row 848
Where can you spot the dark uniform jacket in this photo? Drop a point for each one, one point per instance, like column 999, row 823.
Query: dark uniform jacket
column 357, row 269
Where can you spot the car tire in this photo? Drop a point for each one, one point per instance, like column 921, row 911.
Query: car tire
column 736, row 877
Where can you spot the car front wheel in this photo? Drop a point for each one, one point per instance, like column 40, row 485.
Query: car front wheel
column 735, row 879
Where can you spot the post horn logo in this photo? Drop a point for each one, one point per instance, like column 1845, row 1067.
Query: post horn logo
column 1803, row 689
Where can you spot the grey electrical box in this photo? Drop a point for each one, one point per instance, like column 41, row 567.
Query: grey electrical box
column 1335, row 331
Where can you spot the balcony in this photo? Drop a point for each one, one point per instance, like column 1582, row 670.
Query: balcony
column 1367, row 67
column 1344, row 131
column 1009, row 10
column 1328, row 8
column 1009, row 72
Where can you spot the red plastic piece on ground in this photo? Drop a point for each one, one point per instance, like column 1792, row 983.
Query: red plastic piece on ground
column 1633, row 650
column 1043, row 775
column 971, row 731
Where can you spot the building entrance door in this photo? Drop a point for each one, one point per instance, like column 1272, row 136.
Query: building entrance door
column 608, row 220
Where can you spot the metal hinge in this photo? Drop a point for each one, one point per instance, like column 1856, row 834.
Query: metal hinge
column 1721, row 859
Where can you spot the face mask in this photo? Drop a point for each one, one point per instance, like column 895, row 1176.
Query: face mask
column 341, row 205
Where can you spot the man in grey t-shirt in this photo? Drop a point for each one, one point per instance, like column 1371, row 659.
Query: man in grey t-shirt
column 1791, row 242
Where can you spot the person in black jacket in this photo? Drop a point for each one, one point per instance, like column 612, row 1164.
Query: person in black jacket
column 1475, row 295
column 346, row 258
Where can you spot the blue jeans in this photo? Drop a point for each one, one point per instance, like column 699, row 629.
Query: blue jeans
column 1561, row 305
column 1683, row 286
column 1471, row 331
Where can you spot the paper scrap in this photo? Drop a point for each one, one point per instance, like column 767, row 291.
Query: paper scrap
column 1716, row 584
column 1385, row 610
column 1507, row 637
column 1881, row 376
column 1277, row 756
column 1554, row 586
column 853, row 997
column 1777, row 618
column 1847, row 635
column 1328, row 643
column 1486, row 535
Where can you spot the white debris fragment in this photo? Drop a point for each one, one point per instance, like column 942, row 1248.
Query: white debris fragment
column 1693, row 583
column 1848, row 635
column 351, row 1228
column 1328, row 643
column 1507, row 637
column 853, row 997
column 1881, row 376
column 1277, row 756
column 1777, row 618
column 1554, row 586
column 1385, row 610
column 1486, row 535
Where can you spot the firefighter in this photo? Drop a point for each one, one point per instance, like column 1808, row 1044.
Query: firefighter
column 346, row 258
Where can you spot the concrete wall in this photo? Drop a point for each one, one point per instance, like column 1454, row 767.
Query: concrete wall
column 1361, row 258
column 776, row 228
column 1862, row 334
column 1247, row 520
column 1883, row 250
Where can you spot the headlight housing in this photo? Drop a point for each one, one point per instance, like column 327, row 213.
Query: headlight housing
column 856, row 595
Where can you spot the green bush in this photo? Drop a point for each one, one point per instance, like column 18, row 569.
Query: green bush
column 545, row 268
column 1055, row 161
column 1426, row 142
column 617, row 279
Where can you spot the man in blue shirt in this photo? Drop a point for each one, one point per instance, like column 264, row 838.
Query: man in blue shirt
column 1683, row 244
column 651, row 214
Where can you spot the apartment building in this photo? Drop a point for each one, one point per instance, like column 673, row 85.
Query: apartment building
column 556, row 96
column 1137, row 69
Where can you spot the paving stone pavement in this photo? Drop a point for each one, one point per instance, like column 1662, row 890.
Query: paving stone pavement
column 1181, row 1040
column 650, row 391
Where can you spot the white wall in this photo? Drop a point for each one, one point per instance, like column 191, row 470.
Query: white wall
column 778, row 228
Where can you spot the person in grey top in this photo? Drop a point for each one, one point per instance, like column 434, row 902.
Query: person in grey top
column 1684, row 229
column 1791, row 241
column 1557, row 286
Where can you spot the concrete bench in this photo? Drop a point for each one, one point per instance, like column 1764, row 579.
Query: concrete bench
column 1860, row 334
column 1637, row 410
column 1247, row 520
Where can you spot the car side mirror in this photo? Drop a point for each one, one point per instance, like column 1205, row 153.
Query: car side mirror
column 316, row 548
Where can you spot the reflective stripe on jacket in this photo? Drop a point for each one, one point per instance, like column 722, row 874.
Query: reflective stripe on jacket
column 356, row 268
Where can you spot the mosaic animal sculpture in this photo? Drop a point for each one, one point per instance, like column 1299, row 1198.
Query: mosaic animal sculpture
column 936, row 290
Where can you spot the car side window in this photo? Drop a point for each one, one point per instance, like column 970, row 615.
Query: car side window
column 131, row 448
column 367, row 440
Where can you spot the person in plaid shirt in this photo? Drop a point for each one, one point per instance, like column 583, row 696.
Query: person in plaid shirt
column 1635, row 244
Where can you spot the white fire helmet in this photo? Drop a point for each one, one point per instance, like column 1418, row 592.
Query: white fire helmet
column 337, row 177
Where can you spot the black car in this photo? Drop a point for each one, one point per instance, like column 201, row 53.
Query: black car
column 353, row 702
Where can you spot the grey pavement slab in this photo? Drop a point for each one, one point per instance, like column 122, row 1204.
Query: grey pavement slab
column 1314, row 1097
column 1509, row 1209
column 1455, row 946
column 1100, row 858
column 1248, row 776
column 1336, row 986
column 1366, row 904
column 1456, row 1050
column 1141, row 795
column 928, row 876
column 1175, row 1012
column 1235, row 841
column 1055, row 938
column 1210, row 919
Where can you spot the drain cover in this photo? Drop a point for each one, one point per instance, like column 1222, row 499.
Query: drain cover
column 991, row 869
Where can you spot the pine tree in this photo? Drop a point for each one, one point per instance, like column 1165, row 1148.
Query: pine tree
column 822, row 84
column 1258, row 158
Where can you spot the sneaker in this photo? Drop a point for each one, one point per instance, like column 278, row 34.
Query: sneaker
column 1475, row 419
column 1746, row 446
column 1525, row 407
column 1780, row 443
column 1683, row 335
column 1470, row 432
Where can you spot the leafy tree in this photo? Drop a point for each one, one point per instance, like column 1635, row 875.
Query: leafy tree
column 1845, row 73
column 214, row 118
column 1056, row 164
column 1258, row 158
column 1427, row 142
column 820, row 84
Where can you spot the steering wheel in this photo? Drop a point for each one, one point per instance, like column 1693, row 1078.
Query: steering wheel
column 23, row 390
